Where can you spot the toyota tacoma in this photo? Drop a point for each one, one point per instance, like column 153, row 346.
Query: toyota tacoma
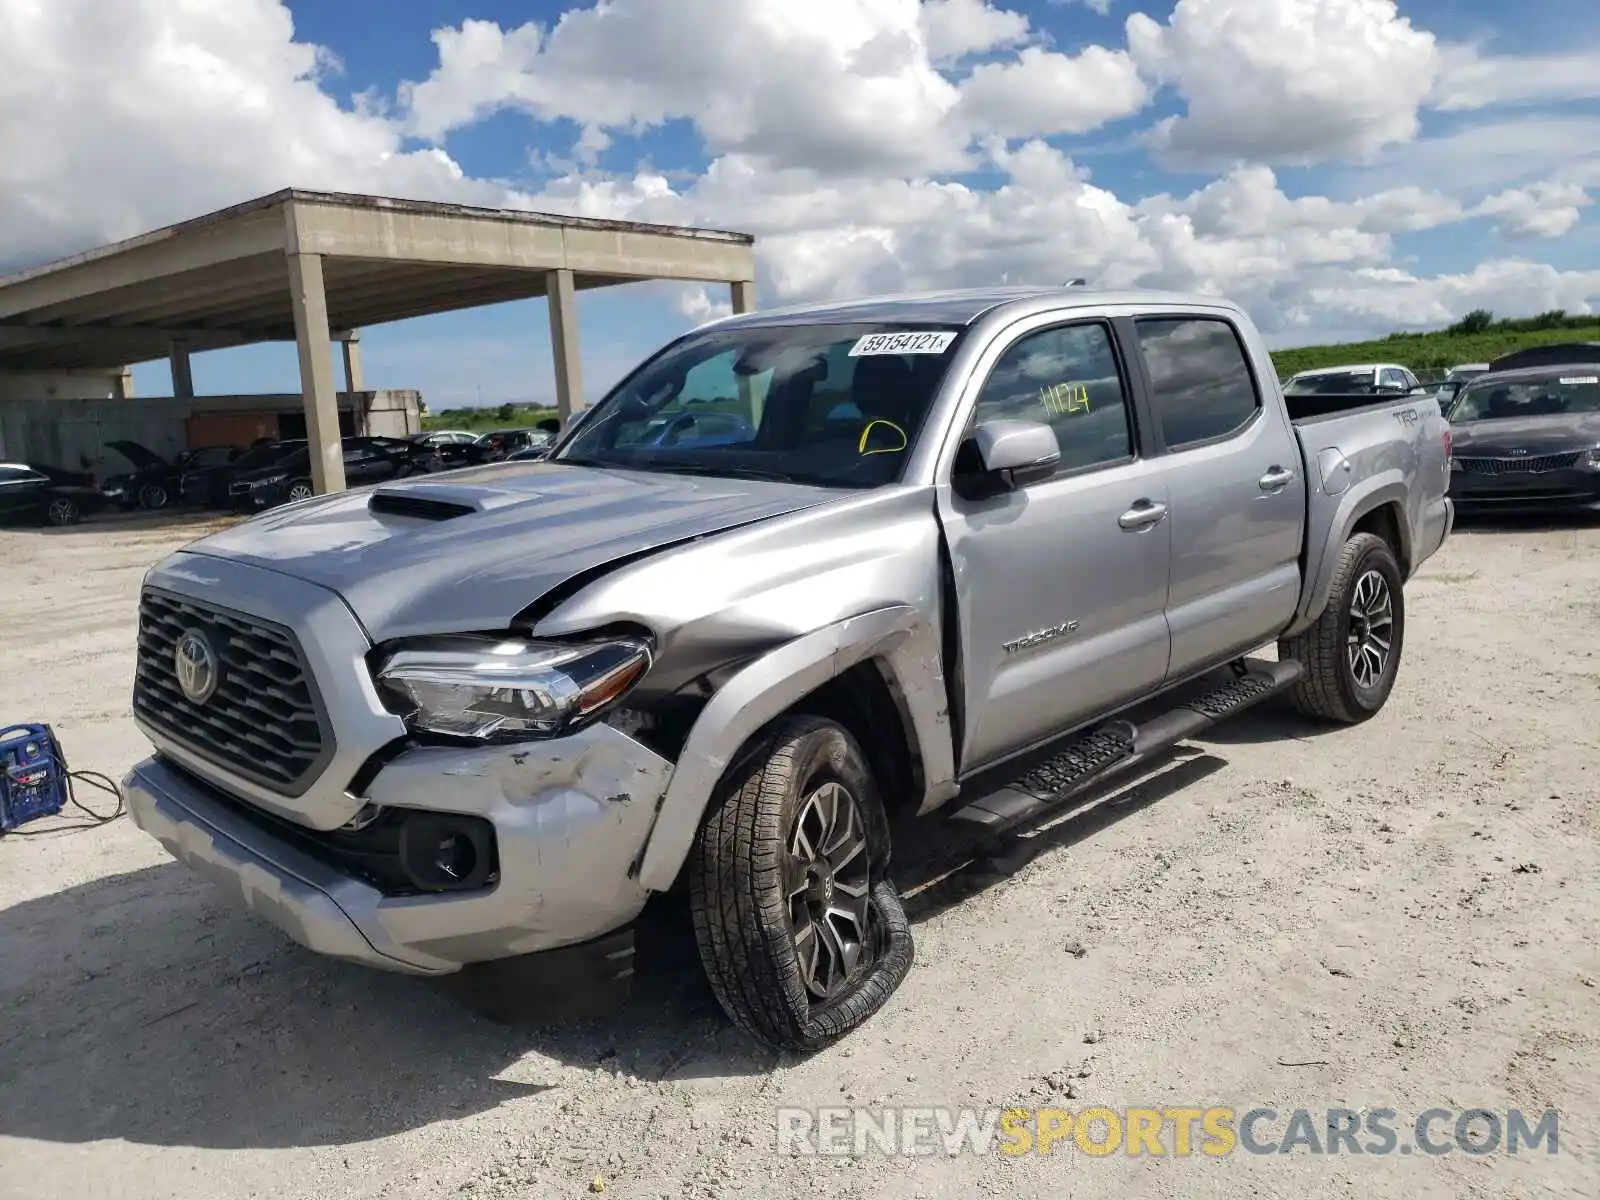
column 480, row 719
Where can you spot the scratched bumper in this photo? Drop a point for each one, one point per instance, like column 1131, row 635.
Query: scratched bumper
column 570, row 817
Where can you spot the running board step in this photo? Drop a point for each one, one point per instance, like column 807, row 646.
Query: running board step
column 1119, row 744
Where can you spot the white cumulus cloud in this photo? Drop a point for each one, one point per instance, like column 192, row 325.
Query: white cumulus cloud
column 1286, row 81
column 870, row 146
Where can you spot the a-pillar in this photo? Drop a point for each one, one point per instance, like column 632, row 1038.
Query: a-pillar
column 182, row 376
column 561, row 294
column 744, row 295
column 310, row 304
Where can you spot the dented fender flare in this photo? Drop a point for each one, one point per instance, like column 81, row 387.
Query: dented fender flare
column 769, row 686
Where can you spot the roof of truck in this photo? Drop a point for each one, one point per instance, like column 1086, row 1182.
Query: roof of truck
column 959, row 307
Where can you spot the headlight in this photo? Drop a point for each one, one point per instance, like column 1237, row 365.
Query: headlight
column 507, row 690
column 269, row 481
column 1455, row 464
column 1592, row 459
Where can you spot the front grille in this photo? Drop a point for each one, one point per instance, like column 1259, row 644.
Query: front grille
column 1506, row 466
column 263, row 722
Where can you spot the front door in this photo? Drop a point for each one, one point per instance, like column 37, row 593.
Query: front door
column 1237, row 488
column 1062, row 585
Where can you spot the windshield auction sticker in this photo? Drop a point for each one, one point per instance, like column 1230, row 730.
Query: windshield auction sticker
column 1577, row 380
column 902, row 343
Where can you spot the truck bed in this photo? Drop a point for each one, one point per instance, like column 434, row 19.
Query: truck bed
column 1319, row 407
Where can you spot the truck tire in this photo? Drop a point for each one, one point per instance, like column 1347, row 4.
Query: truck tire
column 1351, row 654
column 800, row 946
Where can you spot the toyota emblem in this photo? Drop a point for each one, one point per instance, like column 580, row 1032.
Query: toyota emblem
column 199, row 671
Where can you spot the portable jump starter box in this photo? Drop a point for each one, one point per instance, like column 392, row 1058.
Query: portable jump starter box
column 33, row 776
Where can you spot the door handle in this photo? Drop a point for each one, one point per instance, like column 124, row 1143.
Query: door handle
column 1143, row 515
column 1276, row 479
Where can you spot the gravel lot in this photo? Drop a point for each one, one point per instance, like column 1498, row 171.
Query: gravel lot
column 1405, row 914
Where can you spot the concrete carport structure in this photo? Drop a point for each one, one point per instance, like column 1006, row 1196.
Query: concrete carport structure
column 315, row 267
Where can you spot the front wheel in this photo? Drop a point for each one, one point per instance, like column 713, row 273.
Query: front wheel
column 153, row 496
column 1351, row 654
column 300, row 490
column 802, row 934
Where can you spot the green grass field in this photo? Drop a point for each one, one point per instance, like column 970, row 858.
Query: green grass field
column 1477, row 337
column 482, row 420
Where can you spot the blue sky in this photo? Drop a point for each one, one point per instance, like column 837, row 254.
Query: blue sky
column 1340, row 167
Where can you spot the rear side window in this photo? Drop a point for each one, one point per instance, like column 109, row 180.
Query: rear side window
column 1200, row 381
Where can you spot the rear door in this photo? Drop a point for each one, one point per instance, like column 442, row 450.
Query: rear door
column 1061, row 585
column 1232, row 466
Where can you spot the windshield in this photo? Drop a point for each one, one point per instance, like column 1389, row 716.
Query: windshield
column 1332, row 384
column 830, row 405
column 1555, row 395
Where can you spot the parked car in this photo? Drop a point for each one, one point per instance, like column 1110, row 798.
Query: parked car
column 1528, row 440
column 442, row 449
column 499, row 443
column 203, row 475
column 154, row 482
column 1368, row 378
column 208, row 483
column 287, row 478
column 482, row 737
column 47, row 495
column 1465, row 371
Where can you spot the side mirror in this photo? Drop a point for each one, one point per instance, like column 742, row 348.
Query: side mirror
column 1002, row 456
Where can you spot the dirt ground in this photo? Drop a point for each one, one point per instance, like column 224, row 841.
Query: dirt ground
column 1404, row 914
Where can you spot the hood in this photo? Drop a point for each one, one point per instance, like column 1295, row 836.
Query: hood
column 470, row 550
column 1513, row 436
column 142, row 457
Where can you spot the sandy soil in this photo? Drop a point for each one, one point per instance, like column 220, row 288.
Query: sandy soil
column 1410, row 908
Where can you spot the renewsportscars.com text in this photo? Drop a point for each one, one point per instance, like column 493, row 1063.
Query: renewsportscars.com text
column 1169, row 1131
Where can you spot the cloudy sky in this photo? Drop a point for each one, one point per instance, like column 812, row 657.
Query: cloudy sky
column 1341, row 167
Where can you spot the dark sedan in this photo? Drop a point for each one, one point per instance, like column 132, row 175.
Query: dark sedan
column 46, row 495
column 286, row 479
column 1527, row 441
column 499, row 444
column 154, row 483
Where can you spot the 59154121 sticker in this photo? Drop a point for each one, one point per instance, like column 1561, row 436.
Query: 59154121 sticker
column 908, row 342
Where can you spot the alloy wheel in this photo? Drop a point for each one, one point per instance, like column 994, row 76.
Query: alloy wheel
column 1371, row 634
column 826, row 883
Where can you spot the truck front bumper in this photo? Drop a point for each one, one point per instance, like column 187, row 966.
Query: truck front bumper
column 570, row 820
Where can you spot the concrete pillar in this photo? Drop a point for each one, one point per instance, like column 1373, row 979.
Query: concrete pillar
column 122, row 385
column 352, row 362
column 561, row 295
column 310, row 304
column 744, row 296
column 182, row 377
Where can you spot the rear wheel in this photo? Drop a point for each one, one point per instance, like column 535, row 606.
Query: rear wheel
column 802, row 934
column 1351, row 654
column 62, row 511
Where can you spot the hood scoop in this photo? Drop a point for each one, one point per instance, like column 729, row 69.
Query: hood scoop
column 440, row 501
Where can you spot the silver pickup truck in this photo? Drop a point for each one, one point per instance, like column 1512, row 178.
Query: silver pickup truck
column 803, row 576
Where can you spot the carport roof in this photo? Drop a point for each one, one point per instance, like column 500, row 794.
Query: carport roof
column 223, row 280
